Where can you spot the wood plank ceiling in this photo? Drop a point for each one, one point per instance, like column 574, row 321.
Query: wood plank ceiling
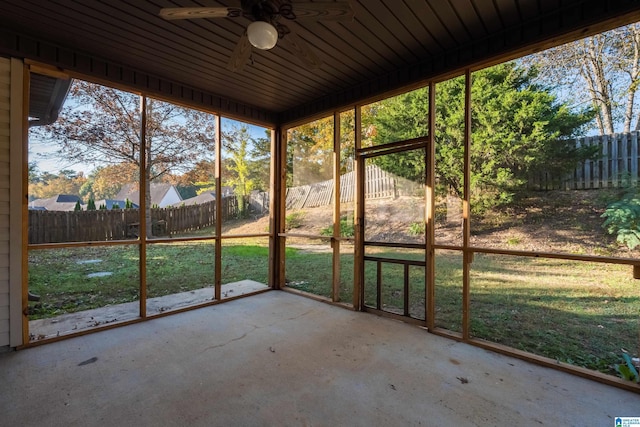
column 389, row 44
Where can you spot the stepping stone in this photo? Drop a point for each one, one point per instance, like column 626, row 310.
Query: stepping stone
column 100, row 274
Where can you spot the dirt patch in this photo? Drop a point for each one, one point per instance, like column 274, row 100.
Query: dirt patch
column 552, row 221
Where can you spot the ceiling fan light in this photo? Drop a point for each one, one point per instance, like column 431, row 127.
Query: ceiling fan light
column 262, row 35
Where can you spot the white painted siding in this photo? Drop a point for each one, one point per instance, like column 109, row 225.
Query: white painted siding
column 171, row 197
column 5, row 118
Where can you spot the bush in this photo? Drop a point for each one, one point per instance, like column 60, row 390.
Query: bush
column 623, row 220
column 417, row 228
column 294, row 220
column 346, row 228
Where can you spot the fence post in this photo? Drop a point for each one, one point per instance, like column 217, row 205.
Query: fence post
column 615, row 171
column 634, row 158
column 624, row 156
column 580, row 169
column 605, row 161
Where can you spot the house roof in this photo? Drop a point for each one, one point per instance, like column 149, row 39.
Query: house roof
column 205, row 197
column 46, row 96
column 131, row 192
column 60, row 202
column 388, row 45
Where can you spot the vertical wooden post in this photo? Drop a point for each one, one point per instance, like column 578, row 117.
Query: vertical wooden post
column 605, row 162
column 274, row 196
column 624, row 157
column 466, row 226
column 20, row 83
column 430, row 208
column 217, row 283
column 335, row 241
column 358, row 256
column 634, row 158
column 282, row 208
column 615, row 172
column 143, row 207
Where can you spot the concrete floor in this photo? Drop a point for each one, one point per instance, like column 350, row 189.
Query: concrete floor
column 278, row 359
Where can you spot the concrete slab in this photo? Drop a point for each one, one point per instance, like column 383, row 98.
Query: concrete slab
column 282, row 359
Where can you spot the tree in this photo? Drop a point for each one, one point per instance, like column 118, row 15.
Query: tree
column 49, row 185
column 260, row 165
column 91, row 205
column 309, row 152
column 106, row 181
column 237, row 163
column 77, row 207
column 517, row 127
column 101, row 125
column 601, row 70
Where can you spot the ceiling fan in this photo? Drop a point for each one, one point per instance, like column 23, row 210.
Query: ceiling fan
column 266, row 27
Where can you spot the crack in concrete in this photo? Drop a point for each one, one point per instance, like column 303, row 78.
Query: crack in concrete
column 301, row 315
column 230, row 341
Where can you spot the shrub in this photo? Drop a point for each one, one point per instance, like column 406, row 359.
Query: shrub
column 417, row 228
column 346, row 228
column 623, row 220
column 294, row 220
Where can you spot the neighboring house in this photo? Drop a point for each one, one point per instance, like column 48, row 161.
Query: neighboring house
column 161, row 194
column 205, row 197
column 61, row 202
column 109, row 203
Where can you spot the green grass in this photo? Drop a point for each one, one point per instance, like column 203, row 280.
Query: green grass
column 582, row 313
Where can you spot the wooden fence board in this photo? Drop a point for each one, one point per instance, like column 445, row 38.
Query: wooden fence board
column 121, row 224
column 617, row 165
column 379, row 185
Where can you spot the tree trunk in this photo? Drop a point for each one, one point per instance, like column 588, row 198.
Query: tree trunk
column 593, row 73
column 634, row 31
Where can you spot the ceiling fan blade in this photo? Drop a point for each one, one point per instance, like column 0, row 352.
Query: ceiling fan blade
column 338, row 11
column 302, row 50
column 199, row 12
column 240, row 54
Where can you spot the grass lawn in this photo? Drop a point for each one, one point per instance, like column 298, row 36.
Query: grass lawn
column 581, row 313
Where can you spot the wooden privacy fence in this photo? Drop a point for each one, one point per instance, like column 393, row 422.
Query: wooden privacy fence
column 615, row 166
column 101, row 225
column 378, row 185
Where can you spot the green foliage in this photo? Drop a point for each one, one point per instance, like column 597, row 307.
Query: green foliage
column 517, row 127
column 102, row 206
column 294, row 220
column 623, row 219
column 77, row 207
column 204, row 187
column 238, row 165
column 91, row 205
column 128, row 204
column 627, row 370
column 417, row 228
column 115, row 207
column 346, row 228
